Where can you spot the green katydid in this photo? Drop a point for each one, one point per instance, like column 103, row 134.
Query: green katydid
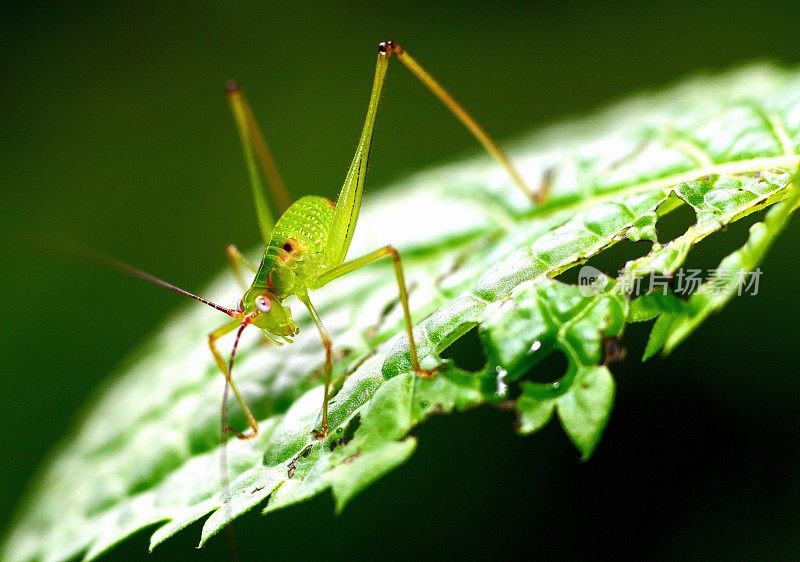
column 307, row 246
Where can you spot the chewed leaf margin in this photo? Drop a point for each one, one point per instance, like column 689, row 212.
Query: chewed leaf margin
column 517, row 327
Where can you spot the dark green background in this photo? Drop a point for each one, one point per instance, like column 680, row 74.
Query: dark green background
column 116, row 135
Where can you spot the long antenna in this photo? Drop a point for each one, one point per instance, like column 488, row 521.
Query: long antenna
column 130, row 270
column 136, row 272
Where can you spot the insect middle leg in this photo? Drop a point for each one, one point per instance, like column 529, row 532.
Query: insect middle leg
column 223, row 367
column 238, row 261
column 326, row 375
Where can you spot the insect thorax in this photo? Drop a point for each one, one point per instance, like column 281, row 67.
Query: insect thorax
column 297, row 250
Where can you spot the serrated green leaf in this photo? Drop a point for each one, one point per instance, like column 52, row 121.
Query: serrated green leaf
column 477, row 254
column 544, row 316
column 585, row 411
column 678, row 319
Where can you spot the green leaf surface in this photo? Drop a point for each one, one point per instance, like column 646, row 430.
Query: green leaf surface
column 477, row 255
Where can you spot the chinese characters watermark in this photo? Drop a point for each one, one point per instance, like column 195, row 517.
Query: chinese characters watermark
column 683, row 282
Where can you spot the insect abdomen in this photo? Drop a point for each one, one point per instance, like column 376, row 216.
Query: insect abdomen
column 304, row 227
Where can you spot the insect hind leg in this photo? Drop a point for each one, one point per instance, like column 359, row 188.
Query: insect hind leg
column 538, row 196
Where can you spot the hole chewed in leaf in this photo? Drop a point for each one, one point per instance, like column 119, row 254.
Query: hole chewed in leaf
column 548, row 370
column 676, row 221
column 466, row 352
column 712, row 250
column 636, row 336
column 610, row 261
column 350, row 430
column 292, row 467
column 346, row 434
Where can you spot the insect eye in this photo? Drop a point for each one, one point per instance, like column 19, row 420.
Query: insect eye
column 263, row 303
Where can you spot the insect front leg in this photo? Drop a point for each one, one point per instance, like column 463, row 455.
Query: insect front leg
column 358, row 263
column 326, row 377
column 223, row 367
